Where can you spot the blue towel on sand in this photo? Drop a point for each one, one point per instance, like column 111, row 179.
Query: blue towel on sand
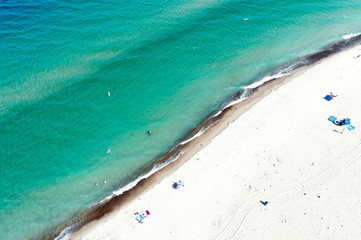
column 350, row 127
column 328, row 98
column 332, row 118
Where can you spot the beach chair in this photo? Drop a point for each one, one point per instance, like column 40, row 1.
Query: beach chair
column 332, row 119
column 140, row 218
column 350, row 127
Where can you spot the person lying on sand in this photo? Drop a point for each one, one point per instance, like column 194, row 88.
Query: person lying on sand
column 332, row 95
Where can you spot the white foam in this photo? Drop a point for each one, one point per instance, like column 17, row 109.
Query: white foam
column 256, row 84
column 64, row 235
column 270, row 77
column 200, row 132
column 155, row 169
column 350, row 35
column 231, row 104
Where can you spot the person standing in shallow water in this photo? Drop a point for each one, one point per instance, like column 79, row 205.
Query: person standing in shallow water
column 150, row 132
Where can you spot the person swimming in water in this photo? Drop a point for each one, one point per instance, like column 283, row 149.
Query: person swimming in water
column 150, row 132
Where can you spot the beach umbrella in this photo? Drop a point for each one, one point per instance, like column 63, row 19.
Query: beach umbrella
column 178, row 185
column 346, row 121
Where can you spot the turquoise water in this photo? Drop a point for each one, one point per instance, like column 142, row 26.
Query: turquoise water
column 166, row 64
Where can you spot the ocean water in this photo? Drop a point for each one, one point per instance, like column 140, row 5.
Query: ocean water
column 166, row 66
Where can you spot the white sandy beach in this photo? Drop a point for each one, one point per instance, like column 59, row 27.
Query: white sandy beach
column 283, row 150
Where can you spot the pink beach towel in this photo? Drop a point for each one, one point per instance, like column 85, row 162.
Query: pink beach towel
column 147, row 212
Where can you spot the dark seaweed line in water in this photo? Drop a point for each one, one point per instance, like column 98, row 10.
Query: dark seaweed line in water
column 98, row 210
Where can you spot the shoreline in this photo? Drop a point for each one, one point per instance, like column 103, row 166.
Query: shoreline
column 227, row 117
column 191, row 148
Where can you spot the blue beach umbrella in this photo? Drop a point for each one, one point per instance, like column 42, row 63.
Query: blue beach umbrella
column 346, row 121
column 178, row 185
